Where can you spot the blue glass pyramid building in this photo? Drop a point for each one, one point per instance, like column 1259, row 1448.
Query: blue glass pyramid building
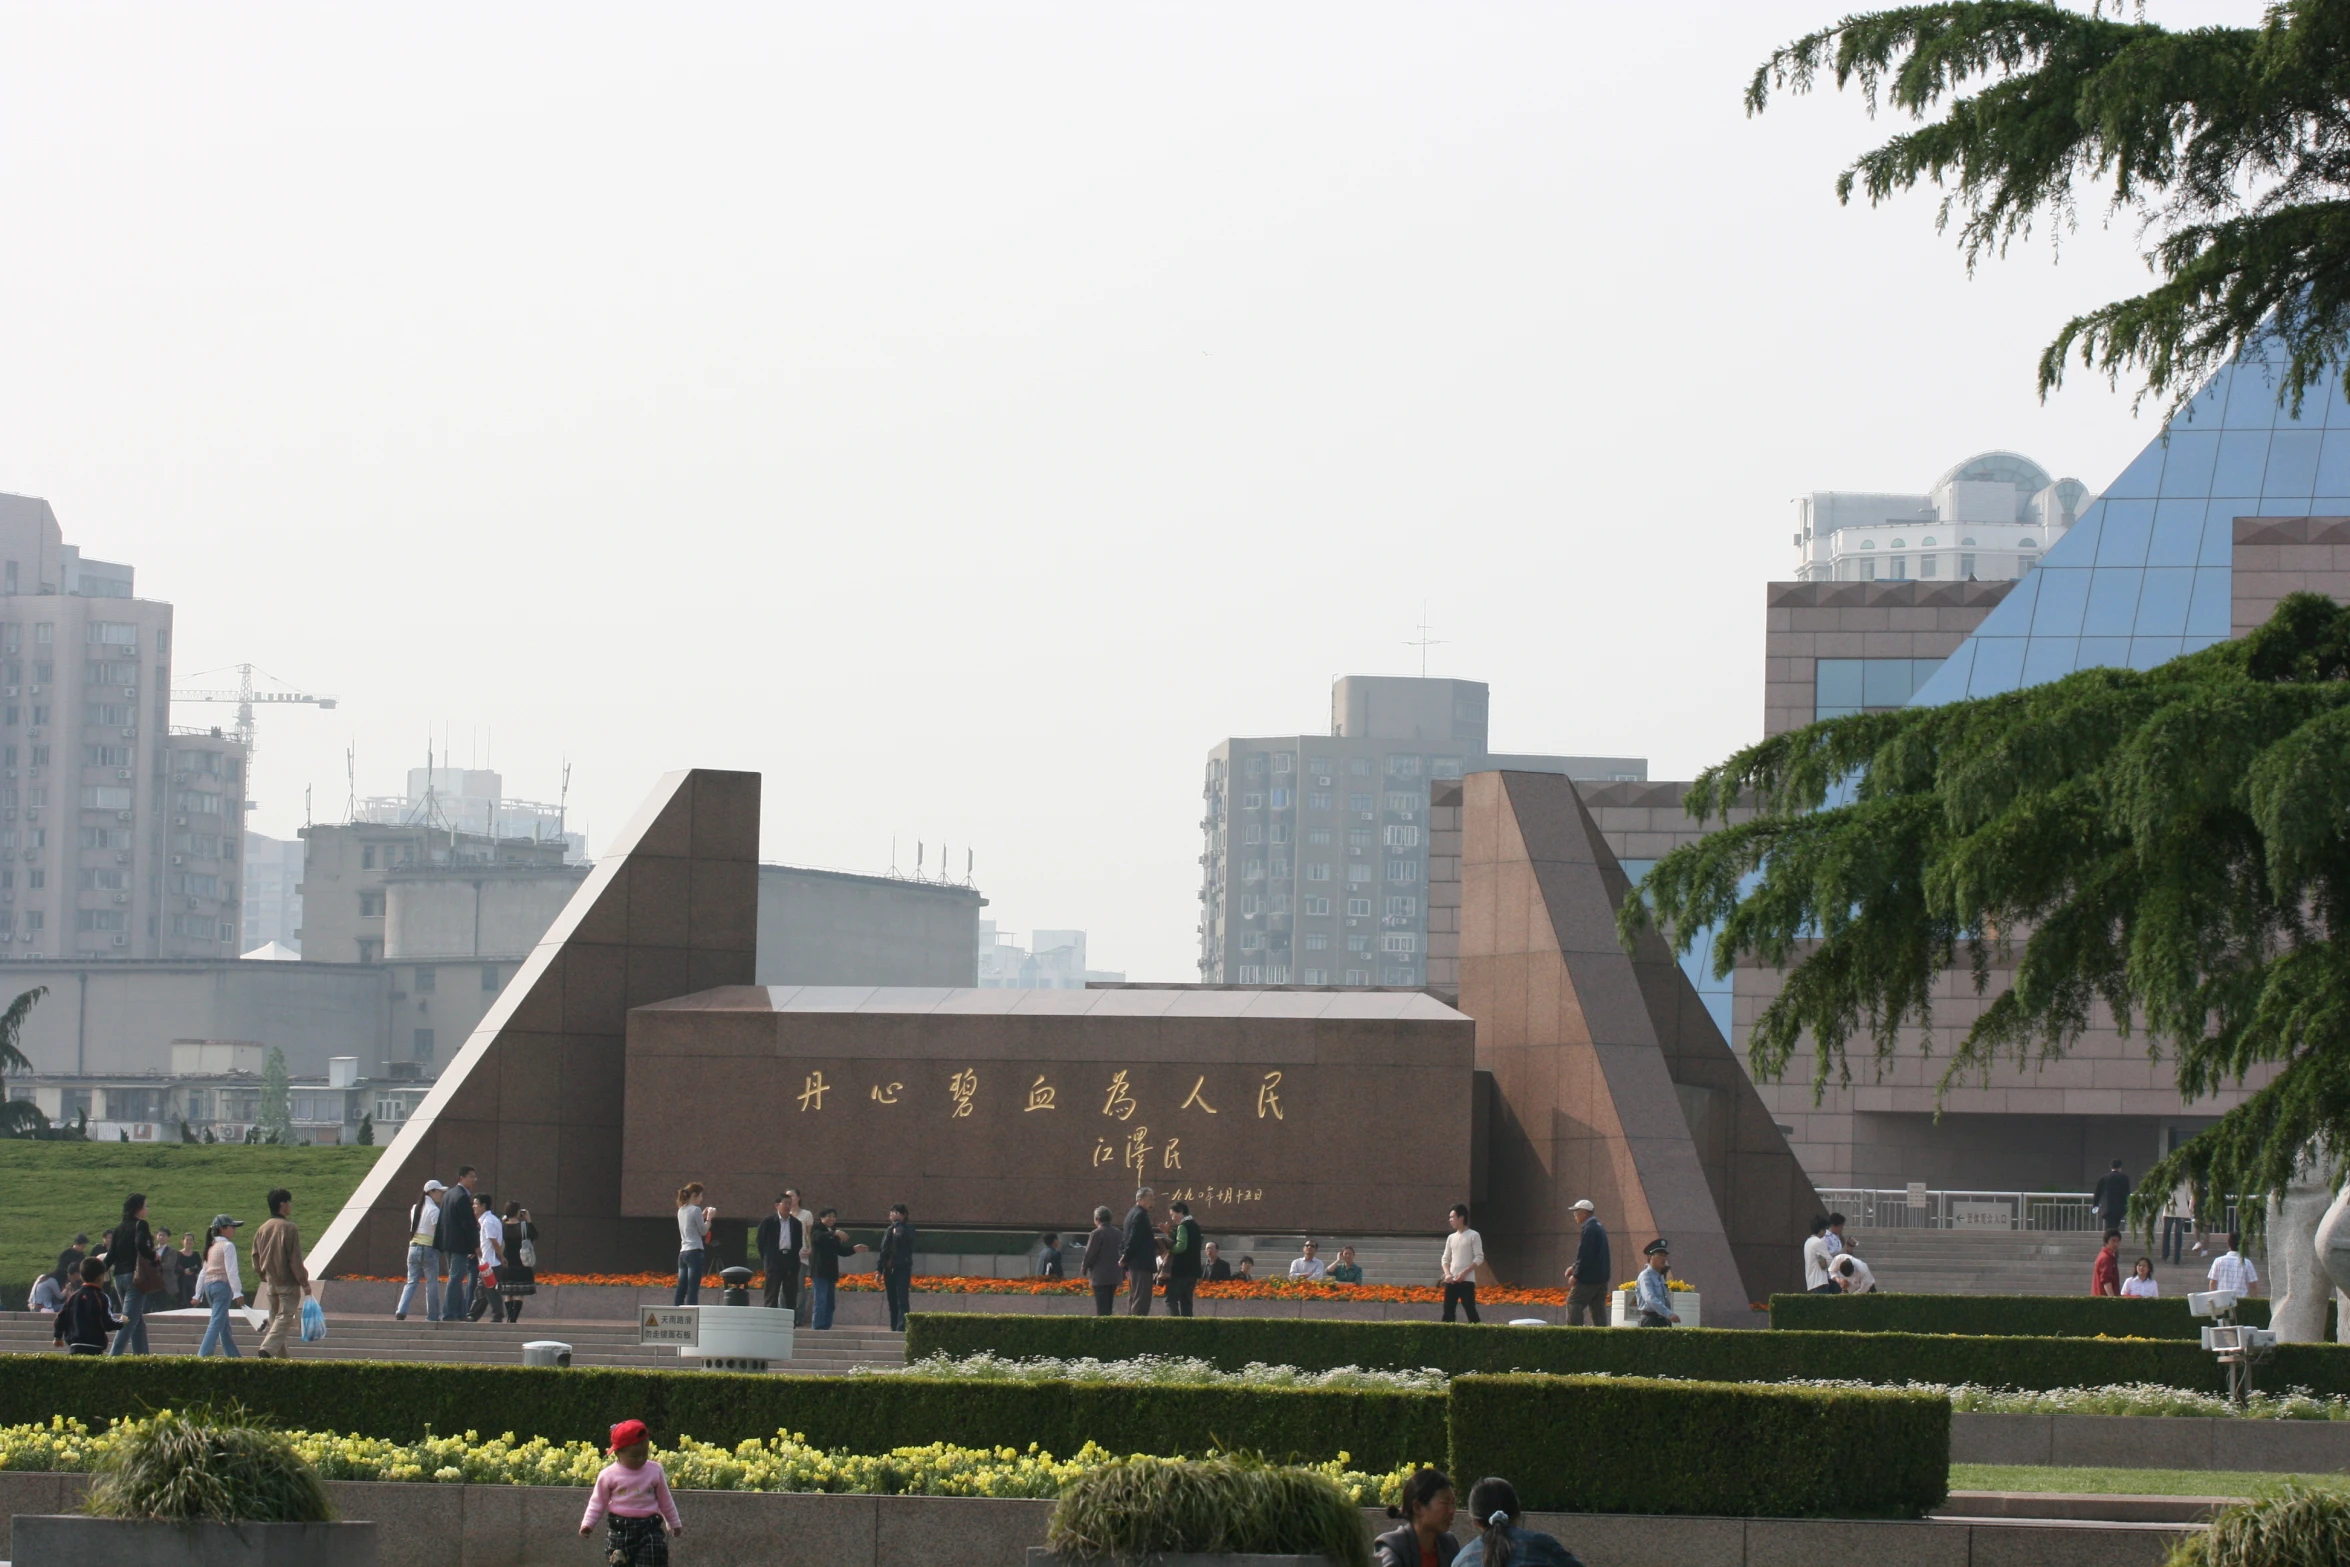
column 2144, row 575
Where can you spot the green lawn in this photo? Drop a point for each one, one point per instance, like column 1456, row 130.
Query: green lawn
column 50, row 1191
column 2124, row 1482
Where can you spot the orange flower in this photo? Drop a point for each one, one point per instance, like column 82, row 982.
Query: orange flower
column 1278, row 1288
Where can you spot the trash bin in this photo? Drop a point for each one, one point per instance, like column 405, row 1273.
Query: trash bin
column 546, row 1352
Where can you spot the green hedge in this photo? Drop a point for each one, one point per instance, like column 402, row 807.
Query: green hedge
column 2013, row 1316
column 1630, row 1445
column 1703, row 1354
column 866, row 1414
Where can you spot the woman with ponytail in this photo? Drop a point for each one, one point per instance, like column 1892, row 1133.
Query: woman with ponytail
column 1426, row 1509
column 1493, row 1504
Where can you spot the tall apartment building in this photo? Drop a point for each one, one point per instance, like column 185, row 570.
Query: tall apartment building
column 1315, row 865
column 273, row 892
column 1989, row 519
column 119, row 837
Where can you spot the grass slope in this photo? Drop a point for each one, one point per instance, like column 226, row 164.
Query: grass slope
column 2125, row 1482
column 51, row 1191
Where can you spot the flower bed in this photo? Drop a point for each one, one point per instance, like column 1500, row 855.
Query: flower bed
column 969, row 1284
column 784, row 1462
column 1156, row 1371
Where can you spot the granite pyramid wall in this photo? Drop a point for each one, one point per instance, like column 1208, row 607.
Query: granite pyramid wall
column 533, row 1099
column 1611, row 1080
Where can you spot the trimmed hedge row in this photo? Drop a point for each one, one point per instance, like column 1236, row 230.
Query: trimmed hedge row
column 2008, row 1316
column 1380, row 1429
column 1702, row 1354
column 1585, row 1444
column 1626, row 1445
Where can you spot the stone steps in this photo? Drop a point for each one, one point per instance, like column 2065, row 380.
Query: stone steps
column 597, row 1343
column 2004, row 1262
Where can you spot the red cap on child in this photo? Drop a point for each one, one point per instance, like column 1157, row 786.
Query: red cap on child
column 628, row 1433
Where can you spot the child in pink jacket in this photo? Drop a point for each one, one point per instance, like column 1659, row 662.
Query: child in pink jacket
column 633, row 1494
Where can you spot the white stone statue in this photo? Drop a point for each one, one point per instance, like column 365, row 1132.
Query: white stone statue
column 2333, row 1250
column 2302, row 1280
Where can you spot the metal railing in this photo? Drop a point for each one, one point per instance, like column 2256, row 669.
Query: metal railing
column 1915, row 1208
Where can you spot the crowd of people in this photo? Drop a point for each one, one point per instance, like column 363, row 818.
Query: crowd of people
column 468, row 1259
column 99, row 1297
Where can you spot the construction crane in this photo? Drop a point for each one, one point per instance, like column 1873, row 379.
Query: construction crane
column 245, row 697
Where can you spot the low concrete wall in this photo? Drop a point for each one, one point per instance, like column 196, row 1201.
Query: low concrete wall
column 538, row 1526
column 859, row 1309
column 2151, row 1442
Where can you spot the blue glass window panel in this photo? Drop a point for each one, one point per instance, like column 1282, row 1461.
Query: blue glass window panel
column 2162, row 602
column 1948, row 683
column 1837, row 682
column 2207, row 615
column 2186, row 468
column 1885, row 682
column 2330, row 506
column 2113, row 603
column 2333, row 413
column 2242, row 456
column 2050, row 658
column 2219, row 530
column 2142, row 477
column 2292, row 469
column 2097, row 651
column 2123, row 534
column 2178, row 531
column 2079, row 546
column 2146, row 652
column 2251, row 395
column 2063, row 594
column 2333, row 464
column 1999, row 665
column 2198, row 644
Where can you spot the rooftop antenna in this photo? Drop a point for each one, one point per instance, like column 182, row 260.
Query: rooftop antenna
column 306, row 805
column 918, row 851
column 563, row 804
column 966, row 865
column 351, row 782
column 1425, row 641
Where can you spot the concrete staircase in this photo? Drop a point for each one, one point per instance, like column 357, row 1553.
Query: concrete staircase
column 2005, row 1262
column 602, row 1343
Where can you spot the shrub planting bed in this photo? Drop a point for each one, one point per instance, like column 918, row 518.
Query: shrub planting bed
column 2014, row 1316
column 1703, row 1354
column 403, row 1401
column 1630, row 1445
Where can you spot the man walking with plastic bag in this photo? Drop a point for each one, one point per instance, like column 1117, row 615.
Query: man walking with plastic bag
column 277, row 1254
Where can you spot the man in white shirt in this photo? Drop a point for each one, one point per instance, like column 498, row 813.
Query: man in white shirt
column 1817, row 1280
column 1853, row 1275
column 2231, row 1270
column 493, row 1251
column 1309, row 1266
column 1464, row 1253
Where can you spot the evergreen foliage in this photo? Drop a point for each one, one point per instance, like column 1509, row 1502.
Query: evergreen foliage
column 2231, row 145
column 199, row 1467
column 277, row 1101
column 2165, row 847
column 1144, row 1507
column 18, row 1117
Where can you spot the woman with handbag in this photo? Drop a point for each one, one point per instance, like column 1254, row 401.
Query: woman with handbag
column 518, row 1273
column 131, row 1253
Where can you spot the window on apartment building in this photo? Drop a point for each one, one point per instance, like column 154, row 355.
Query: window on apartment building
column 1444, row 767
column 1395, row 976
column 101, row 919
column 1252, row 870
column 489, row 977
column 1403, row 837
column 1317, row 870
column 1402, row 803
column 428, row 980
column 367, row 858
column 1359, row 766
column 1900, row 564
column 1280, row 871
column 36, row 880
column 371, row 905
column 1928, row 565
column 1315, row 976
column 1252, row 802
column 34, row 920
column 1316, row 905
column 1318, row 941
column 421, row 1045
column 1361, row 802
column 1283, row 799
column 1280, row 832
column 1358, row 908
column 1358, row 873
column 111, row 633
column 1356, row 976
column 1280, row 902
column 105, row 797
column 1252, row 941
column 1255, row 766
column 40, row 756
column 1276, row 973
column 1318, row 837
column 1285, row 761
column 1399, row 943
column 1966, row 567
column 369, row 950
column 44, row 632
column 113, row 715
column 1403, row 870
column 1403, row 908
column 102, row 755
column 105, row 880
column 1321, row 766
column 1318, row 800
column 1254, row 832
column 1250, row 904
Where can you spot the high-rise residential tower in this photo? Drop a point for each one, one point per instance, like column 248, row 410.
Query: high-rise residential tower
column 118, row 837
column 1316, row 855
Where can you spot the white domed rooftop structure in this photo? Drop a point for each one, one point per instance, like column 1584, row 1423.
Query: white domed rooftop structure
column 1988, row 518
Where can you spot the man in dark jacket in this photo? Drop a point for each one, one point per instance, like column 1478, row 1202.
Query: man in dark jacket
column 1587, row 1280
column 458, row 1240
column 781, row 1236
column 2112, row 1198
column 826, row 1247
column 897, row 1265
column 1100, row 1263
column 1184, row 1258
column 1140, row 1254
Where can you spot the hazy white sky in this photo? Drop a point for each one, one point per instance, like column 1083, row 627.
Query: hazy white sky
column 966, row 415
